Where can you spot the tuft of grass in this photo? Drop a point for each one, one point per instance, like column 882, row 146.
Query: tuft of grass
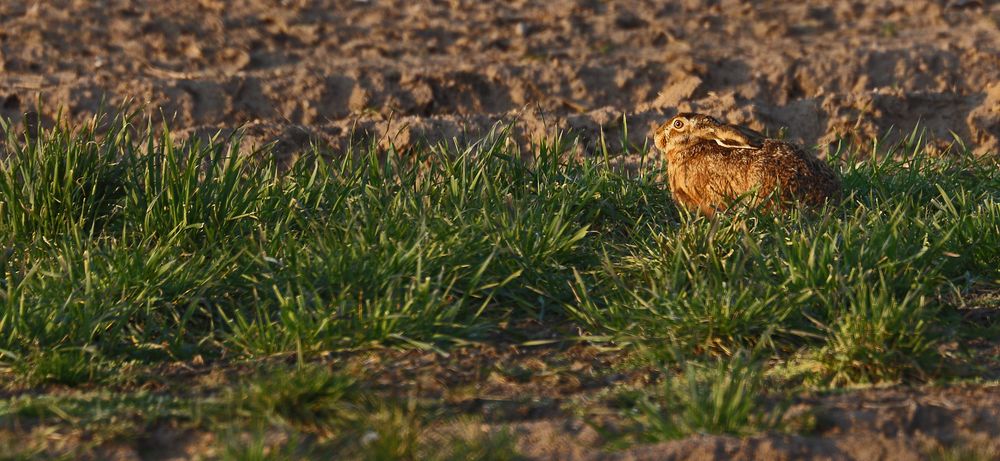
column 256, row 446
column 724, row 397
column 879, row 338
column 62, row 366
column 63, row 181
column 310, row 398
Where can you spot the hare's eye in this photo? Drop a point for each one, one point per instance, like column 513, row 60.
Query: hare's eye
column 678, row 124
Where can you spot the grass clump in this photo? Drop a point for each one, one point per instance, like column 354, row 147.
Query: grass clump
column 311, row 398
column 68, row 367
column 877, row 339
column 724, row 397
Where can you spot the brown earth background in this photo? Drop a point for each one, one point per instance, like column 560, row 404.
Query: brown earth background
column 400, row 72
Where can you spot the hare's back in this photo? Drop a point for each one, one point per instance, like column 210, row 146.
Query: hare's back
column 799, row 173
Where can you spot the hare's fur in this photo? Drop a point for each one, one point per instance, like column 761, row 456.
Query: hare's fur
column 710, row 164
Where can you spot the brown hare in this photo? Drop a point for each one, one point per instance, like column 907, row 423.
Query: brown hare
column 710, row 164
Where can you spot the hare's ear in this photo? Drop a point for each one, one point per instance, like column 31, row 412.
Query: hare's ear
column 737, row 137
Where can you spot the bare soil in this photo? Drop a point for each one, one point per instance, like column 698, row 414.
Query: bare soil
column 401, row 72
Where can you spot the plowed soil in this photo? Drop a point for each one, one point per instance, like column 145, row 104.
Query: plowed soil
column 401, row 72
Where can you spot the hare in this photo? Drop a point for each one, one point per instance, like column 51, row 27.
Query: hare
column 710, row 164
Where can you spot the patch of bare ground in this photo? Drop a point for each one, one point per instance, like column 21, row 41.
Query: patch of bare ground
column 400, row 72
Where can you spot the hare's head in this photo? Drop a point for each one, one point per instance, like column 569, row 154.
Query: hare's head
column 685, row 130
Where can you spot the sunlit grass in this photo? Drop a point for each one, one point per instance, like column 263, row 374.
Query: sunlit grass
column 135, row 247
column 721, row 398
column 119, row 247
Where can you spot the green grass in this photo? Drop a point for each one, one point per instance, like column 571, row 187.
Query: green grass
column 121, row 250
column 132, row 247
column 276, row 412
column 720, row 398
